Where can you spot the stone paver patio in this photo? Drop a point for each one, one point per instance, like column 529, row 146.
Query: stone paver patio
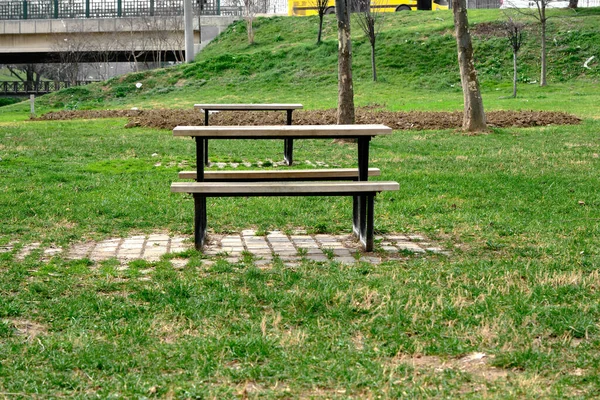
column 264, row 249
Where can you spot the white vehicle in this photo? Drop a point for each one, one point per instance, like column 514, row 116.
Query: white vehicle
column 532, row 4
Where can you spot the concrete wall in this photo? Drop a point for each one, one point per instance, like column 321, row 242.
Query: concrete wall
column 121, row 33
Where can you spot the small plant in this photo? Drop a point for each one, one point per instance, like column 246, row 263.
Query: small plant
column 320, row 227
column 328, row 252
column 302, row 252
column 247, row 257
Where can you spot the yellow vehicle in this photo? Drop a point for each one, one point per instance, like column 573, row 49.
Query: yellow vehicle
column 309, row 7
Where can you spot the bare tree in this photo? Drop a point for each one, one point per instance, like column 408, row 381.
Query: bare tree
column 32, row 72
column 249, row 14
column 514, row 34
column 370, row 21
column 539, row 13
column 136, row 44
column 345, row 88
column 474, row 115
column 321, row 6
column 573, row 3
column 103, row 54
column 72, row 50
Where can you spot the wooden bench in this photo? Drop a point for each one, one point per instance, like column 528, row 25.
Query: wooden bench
column 336, row 174
column 288, row 144
column 362, row 213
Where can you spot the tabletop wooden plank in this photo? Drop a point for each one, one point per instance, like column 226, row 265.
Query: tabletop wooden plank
column 282, row 188
column 282, row 131
column 276, row 174
column 249, row 107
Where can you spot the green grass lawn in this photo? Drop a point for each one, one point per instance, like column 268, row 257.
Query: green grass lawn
column 519, row 210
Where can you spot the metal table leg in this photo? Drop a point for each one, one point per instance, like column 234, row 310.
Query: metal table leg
column 288, row 144
column 206, row 112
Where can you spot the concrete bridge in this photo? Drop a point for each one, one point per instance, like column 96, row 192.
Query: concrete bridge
column 142, row 38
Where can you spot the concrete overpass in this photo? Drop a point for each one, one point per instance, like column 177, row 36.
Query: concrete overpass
column 146, row 38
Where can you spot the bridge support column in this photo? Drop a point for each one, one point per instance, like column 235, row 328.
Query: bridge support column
column 188, row 16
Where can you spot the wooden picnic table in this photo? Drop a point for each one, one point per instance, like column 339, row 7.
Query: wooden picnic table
column 363, row 192
column 288, row 144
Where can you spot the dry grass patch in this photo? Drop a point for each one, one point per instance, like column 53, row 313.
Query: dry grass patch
column 28, row 329
column 476, row 364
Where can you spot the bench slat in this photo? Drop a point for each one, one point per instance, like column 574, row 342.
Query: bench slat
column 282, row 131
column 282, row 188
column 249, row 107
column 300, row 174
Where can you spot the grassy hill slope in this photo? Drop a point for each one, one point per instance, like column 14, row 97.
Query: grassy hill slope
column 416, row 58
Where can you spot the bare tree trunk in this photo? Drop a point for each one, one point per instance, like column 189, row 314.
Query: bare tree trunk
column 573, row 3
column 373, row 63
column 515, row 76
column 345, row 89
column 474, row 116
column 543, row 72
column 320, row 28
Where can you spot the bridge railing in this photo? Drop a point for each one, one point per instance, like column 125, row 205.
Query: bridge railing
column 43, row 87
column 55, row 9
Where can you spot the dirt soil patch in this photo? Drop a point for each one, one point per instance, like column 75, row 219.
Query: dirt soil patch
column 417, row 120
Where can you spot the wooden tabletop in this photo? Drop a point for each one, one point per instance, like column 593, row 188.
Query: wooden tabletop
column 282, row 131
column 249, row 107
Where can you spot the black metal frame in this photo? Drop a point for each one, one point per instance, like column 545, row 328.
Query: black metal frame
column 288, row 144
column 362, row 203
column 32, row 87
column 362, row 216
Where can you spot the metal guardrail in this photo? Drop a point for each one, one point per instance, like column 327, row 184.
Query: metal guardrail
column 57, row 9
column 43, row 87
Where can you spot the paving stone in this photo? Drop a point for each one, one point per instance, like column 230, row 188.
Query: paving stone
column 289, row 256
column 301, row 238
column 179, row 249
column 415, row 237
column 390, row 249
column 278, row 240
column 345, row 260
column 291, row 264
column 316, row 257
column 370, row 259
column 158, row 238
column 109, row 243
column 314, row 251
column 396, row 238
column 178, row 263
column 102, row 256
column 51, row 252
column 342, row 252
column 27, row 250
column 262, row 252
column 283, row 248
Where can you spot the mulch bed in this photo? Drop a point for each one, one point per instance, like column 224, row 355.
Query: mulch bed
column 417, row 120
